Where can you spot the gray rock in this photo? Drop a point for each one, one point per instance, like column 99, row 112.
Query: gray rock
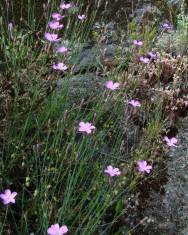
column 173, row 41
column 82, row 86
column 109, row 50
column 170, row 211
column 146, row 13
column 110, row 34
column 86, row 59
column 167, row 41
column 84, row 56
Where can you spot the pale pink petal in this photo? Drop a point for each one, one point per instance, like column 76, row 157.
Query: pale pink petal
column 174, row 140
column 82, row 123
column 86, row 127
column 7, row 192
column 116, row 85
column 3, row 196
column 57, row 16
column 112, row 171
column 81, row 17
column 51, row 37
column 62, row 49
column 143, row 166
column 64, row 6
column 14, row 194
column 12, row 200
column 144, row 60
column 53, row 230
column 6, row 201
column 166, row 138
column 111, row 85
column 109, row 168
column 88, row 131
column 63, row 229
column 137, row 43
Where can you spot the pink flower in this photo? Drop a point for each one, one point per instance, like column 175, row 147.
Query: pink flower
column 82, row 17
column 135, row 103
column 112, row 171
column 171, row 142
column 166, row 26
column 62, row 49
column 56, row 230
column 60, row 66
column 8, row 197
column 86, row 127
column 152, row 55
column 144, row 60
column 55, row 25
column 51, row 37
column 64, row 5
column 143, row 166
column 57, row 16
column 137, row 43
column 112, row 86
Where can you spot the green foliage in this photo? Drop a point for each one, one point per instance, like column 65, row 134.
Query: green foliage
column 182, row 30
column 58, row 172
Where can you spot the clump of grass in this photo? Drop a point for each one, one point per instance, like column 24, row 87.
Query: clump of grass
column 58, row 171
column 182, row 30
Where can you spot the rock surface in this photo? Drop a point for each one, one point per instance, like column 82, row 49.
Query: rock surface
column 169, row 212
column 82, row 86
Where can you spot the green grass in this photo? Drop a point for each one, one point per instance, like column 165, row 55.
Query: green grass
column 57, row 171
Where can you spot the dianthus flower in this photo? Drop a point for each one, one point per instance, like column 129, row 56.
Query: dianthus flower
column 60, row 66
column 82, row 17
column 8, row 197
column 57, row 16
column 135, row 103
column 62, row 49
column 55, row 25
column 143, row 166
column 65, row 6
column 166, row 26
column 86, row 127
column 112, row 171
column 137, row 43
column 111, row 85
column 144, row 60
column 55, row 229
column 152, row 55
column 51, row 37
column 171, row 142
